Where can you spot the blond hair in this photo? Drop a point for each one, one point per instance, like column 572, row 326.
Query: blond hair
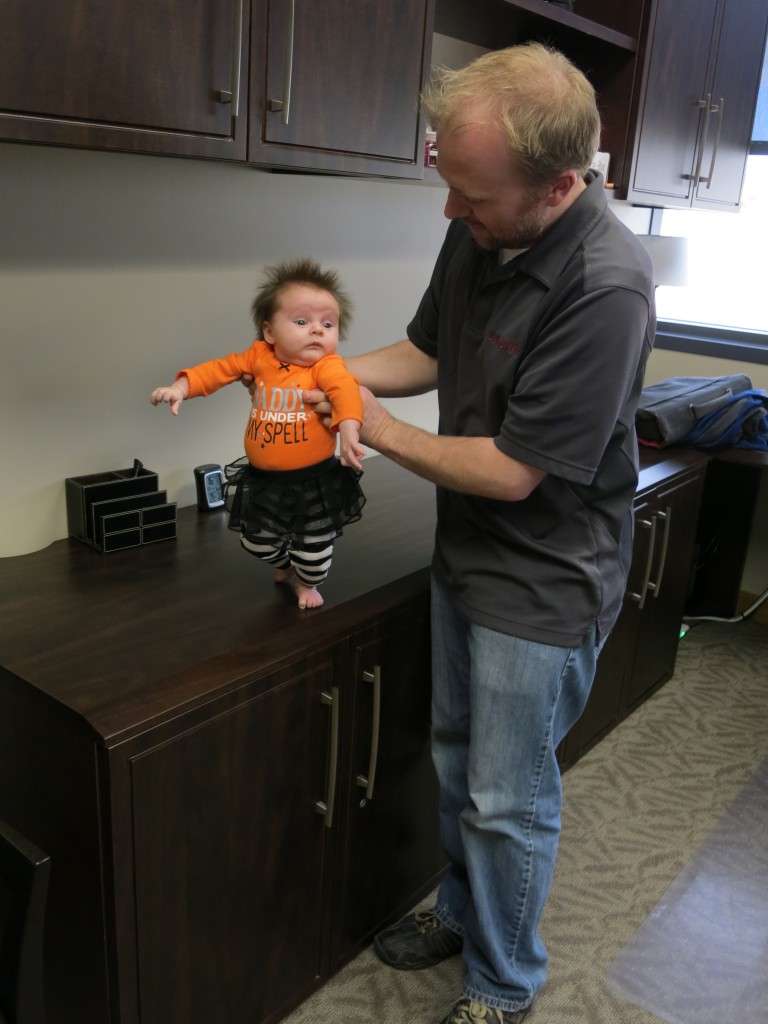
column 546, row 106
column 303, row 271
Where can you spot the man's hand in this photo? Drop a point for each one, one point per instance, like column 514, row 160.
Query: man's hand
column 473, row 465
column 375, row 416
column 375, row 419
column 320, row 404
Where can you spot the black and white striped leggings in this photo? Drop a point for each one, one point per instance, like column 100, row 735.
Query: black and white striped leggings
column 310, row 557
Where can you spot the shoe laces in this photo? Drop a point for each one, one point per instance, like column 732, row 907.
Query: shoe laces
column 467, row 1011
column 427, row 921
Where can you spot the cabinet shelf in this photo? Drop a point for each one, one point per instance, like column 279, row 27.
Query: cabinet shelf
column 496, row 23
column 543, row 12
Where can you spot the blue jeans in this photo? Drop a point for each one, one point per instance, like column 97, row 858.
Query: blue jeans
column 500, row 706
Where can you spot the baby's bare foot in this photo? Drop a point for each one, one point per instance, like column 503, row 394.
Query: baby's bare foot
column 309, row 597
column 283, row 575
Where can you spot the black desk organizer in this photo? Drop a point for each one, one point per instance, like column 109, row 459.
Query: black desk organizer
column 119, row 509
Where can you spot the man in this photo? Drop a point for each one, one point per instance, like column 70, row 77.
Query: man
column 535, row 329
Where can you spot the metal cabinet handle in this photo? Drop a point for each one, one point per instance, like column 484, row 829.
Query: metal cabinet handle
column 716, row 109
column 233, row 95
column 666, row 517
column 285, row 103
column 366, row 781
column 703, row 105
column 640, row 598
column 326, row 807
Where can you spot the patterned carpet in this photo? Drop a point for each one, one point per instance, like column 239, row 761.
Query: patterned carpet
column 638, row 809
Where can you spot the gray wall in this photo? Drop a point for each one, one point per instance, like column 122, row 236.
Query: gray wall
column 117, row 270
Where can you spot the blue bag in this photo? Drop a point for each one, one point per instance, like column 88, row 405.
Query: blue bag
column 703, row 412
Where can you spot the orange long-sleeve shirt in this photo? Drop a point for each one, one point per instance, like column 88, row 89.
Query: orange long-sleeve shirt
column 282, row 433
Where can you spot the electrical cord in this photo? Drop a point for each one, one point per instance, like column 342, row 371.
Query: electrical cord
column 692, row 620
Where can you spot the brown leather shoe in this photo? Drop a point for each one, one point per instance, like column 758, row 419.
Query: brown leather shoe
column 417, row 941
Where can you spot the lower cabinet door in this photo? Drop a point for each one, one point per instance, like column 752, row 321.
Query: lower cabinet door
column 389, row 852
column 639, row 655
column 230, row 854
column 668, row 517
column 603, row 708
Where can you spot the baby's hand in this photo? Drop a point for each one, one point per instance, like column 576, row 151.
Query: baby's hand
column 350, row 449
column 173, row 395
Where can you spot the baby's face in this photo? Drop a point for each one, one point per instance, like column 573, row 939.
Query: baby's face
column 305, row 325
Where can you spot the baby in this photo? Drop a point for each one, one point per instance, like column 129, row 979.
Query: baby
column 292, row 495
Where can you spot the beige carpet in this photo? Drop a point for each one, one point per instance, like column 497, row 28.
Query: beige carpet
column 637, row 810
column 701, row 955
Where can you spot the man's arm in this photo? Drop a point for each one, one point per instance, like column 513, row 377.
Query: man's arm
column 395, row 371
column 473, row 465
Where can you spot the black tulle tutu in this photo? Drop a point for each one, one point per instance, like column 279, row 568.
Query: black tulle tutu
column 296, row 503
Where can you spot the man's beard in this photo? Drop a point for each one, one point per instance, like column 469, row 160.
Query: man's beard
column 528, row 228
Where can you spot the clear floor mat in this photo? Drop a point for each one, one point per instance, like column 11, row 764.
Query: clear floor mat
column 701, row 957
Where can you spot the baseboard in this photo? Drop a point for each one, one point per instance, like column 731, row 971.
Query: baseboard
column 746, row 600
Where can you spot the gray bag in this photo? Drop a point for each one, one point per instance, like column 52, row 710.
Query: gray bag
column 669, row 410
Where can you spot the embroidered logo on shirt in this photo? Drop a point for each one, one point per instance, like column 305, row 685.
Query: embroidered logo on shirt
column 505, row 345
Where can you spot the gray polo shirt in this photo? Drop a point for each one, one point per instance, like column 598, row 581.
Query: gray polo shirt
column 546, row 355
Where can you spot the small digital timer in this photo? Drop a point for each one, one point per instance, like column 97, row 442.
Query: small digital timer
column 209, row 484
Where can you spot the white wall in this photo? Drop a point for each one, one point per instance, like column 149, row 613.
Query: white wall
column 117, row 270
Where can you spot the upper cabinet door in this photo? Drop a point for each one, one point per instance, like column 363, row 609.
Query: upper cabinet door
column 701, row 81
column 152, row 76
column 335, row 86
column 734, row 93
column 671, row 117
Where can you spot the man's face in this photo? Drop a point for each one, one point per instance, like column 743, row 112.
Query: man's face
column 486, row 191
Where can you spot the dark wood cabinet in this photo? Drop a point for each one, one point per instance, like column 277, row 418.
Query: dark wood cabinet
column 603, row 38
column 386, row 843
column 160, row 77
column 660, row 578
column 235, row 794
column 273, row 839
column 230, row 855
column 639, row 655
column 729, row 503
column 676, row 83
column 331, row 86
column 701, row 79
column 335, row 86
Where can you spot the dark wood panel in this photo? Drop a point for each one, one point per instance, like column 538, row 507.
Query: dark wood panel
column 345, row 79
column 139, row 77
column 230, row 856
column 739, row 61
column 141, row 633
column 640, row 653
column 48, row 790
column 497, row 23
column 389, row 844
column 722, row 540
column 670, row 119
column 675, row 509
column 191, row 871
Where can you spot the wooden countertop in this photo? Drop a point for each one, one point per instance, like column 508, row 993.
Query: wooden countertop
column 128, row 636
column 122, row 637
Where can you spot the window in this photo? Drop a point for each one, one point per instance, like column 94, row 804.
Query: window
column 723, row 308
